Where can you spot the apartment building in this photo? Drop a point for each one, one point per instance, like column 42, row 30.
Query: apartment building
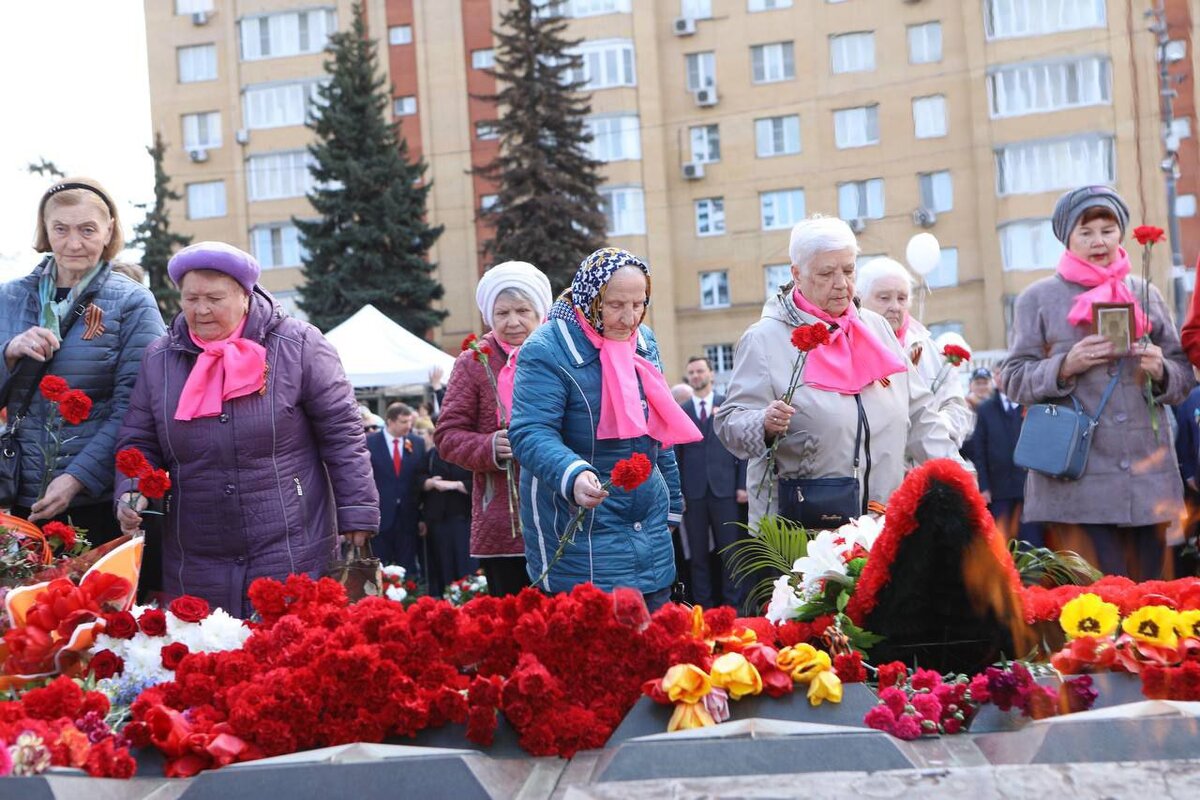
column 721, row 123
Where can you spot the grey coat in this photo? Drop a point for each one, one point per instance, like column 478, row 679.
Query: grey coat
column 1132, row 478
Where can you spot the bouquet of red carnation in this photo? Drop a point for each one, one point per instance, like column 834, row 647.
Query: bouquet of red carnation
column 27, row 552
column 482, row 352
column 148, row 482
column 67, row 406
column 805, row 338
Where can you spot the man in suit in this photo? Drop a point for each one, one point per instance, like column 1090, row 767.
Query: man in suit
column 990, row 448
column 713, row 483
column 398, row 461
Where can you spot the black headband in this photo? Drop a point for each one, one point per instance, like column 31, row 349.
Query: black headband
column 62, row 187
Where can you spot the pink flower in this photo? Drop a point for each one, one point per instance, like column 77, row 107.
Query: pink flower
column 880, row 718
column 907, row 727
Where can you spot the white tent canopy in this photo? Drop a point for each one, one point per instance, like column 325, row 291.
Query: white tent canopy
column 375, row 351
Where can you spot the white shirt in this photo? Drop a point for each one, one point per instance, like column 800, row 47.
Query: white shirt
column 708, row 410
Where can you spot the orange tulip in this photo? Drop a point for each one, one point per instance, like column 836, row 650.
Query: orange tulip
column 686, row 683
column 736, row 675
column 688, row 716
column 803, row 662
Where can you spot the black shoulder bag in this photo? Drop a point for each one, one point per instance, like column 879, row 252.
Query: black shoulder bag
column 825, row 503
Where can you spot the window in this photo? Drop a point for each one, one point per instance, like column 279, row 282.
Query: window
column 925, row 43
column 291, row 33
column 777, row 136
column 776, row 275
column 615, row 138
column 604, row 64
column 861, row 199
column 488, row 201
column 946, row 272
column 202, row 131
column 1185, row 205
column 773, row 62
column 206, row 200
column 192, row 6
column 483, row 59
column 486, row 131
column 701, row 71
column 852, row 52
column 710, row 216
column 782, row 209
column 929, row 116
column 706, row 143
column 1006, row 18
column 404, row 106
column 198, row 63
column 720, row 356
column 856, row 127
column 936, row 329
column 581, row 8
column 624, row 211
column 1028, row 245
column 279, row 104
column 714, row 289
column 278, row 245
column 767, row 5
column 937, row 191
column 275, row 175
column 1055, row 164
column 695, row 9
column 290, row 300
column 400, row 34
column 1035, row 88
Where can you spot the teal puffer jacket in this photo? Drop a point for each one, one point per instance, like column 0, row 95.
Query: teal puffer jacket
column 625, row 541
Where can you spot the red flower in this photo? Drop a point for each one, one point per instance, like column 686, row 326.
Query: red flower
column 1148, row 234
column 153, row 622
column 189, row 608
column 630, row 473
column 105, row 664
column 65, row 533
column 53, row 388
column 154, row 484
column 483, row 349
column 849, row 668
column 808, row 337
column 468, row 342
column 75, row 406
column 172, row 654
column 955, row 354
column 131, row 463
column 120, row 625
column 893, row 673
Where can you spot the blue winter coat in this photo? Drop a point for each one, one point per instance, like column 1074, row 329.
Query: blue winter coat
column 105, row 367
column 556, row 409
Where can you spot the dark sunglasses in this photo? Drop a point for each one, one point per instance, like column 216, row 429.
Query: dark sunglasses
column 369, row 428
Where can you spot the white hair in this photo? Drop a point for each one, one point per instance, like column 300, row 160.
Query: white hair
column 816, row 235
column 882, row 267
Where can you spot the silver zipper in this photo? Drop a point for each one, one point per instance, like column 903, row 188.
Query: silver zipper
column 299, row 488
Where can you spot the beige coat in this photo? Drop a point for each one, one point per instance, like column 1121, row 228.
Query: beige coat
column 903, row 415
column 1132, row 477
column 950, row 400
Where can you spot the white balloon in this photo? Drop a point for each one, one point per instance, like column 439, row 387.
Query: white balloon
column 923, row 253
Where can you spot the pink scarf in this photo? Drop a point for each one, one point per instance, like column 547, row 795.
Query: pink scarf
column 505, row 379
column 1107, row 285
column 853, row 359
column 903, row 330
column 227, row 368
column 621, row 414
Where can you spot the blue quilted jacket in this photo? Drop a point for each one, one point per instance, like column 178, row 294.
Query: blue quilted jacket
column 556, row 408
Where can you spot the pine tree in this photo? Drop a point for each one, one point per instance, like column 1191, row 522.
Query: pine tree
column 371, row 242
column 154, row 235
column 548, row 210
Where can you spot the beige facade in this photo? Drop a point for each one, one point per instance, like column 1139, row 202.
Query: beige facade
column 1079, row 106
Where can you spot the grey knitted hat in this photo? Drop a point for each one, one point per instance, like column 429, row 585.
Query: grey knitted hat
column 1070, row 208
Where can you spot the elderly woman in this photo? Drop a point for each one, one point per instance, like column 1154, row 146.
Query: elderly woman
column 886, row 287
column 252, row 415
column 860, row 405
column 96, row 350
column 590, row 393
column 513, row 299
column 1116, row 513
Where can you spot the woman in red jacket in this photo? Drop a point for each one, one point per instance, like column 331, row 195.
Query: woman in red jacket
column 514, row 298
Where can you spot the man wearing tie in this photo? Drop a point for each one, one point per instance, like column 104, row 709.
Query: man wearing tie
column 713, row 483
column 398, row 461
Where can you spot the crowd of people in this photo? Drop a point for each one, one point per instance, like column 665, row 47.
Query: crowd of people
column 512, row 467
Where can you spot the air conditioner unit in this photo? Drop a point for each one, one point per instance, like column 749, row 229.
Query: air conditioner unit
column 242, row 136
column 683, row 26
column 858, row 224
column 200, row 18
column 199, row 155
column 706, row 96
column 693, row 170
column 924, row 217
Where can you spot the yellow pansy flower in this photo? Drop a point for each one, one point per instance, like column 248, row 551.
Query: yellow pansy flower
column 1088, row 615
column 733, row 673
column 689, row 715
column 1188, row 624
column 803, row 662
column 686, row 683
column 825, row 686
column 1153, row 625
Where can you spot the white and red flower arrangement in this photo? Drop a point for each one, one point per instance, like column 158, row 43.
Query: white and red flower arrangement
column 397, row 586
column 466, row 588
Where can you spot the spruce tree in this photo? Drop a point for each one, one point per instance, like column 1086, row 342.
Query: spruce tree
column 548, row 210
column 154, row 235
column 371, row 241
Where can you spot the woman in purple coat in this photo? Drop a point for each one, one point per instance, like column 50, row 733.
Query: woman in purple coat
column 250, row 412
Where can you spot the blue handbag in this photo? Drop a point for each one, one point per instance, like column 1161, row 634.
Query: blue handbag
column 1055, row 439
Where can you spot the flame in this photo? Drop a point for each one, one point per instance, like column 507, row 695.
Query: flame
column 989, row 590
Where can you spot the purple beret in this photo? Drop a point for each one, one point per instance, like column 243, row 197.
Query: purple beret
column 218, row 256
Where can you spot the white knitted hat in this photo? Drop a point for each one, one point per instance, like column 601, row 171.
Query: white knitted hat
column 513, row 275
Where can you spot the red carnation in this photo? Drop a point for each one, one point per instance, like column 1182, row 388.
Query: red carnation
column 75, row 406
column 849, row 667
column 153, row 622
column 105, row 664
column 131, row 463
column 955, row 354
column 154, row 484
column 172, row 654
column 632, row 472
column 483, row 349
column 120, row 625
column 808, row 337
column 893, row 673
column 1148, row 234
column 469, row 341
column 53, row 387
column 189, row 608
column 64, row 532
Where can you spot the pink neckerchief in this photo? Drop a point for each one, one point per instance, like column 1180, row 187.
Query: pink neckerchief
column 621, row 415
column 853, row 359
column 505, row 378
column 1106, row 284
column 902, row 331
column 227, row 368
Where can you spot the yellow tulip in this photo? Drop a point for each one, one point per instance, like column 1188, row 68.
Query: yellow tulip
column 733, row 673
column 1153, row 625
column 1088, row 615
column 803, row 662
column 689, row 715
column 686, row 683
column 825, row 686
column 1189, row 624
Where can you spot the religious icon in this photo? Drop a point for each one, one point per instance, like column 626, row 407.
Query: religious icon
column 1114, row 321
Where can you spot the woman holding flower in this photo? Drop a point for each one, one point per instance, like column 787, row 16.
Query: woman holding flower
column 859, row 387
column 1116, row 513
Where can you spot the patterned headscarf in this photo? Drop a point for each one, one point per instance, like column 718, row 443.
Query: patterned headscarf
column 586, row 292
